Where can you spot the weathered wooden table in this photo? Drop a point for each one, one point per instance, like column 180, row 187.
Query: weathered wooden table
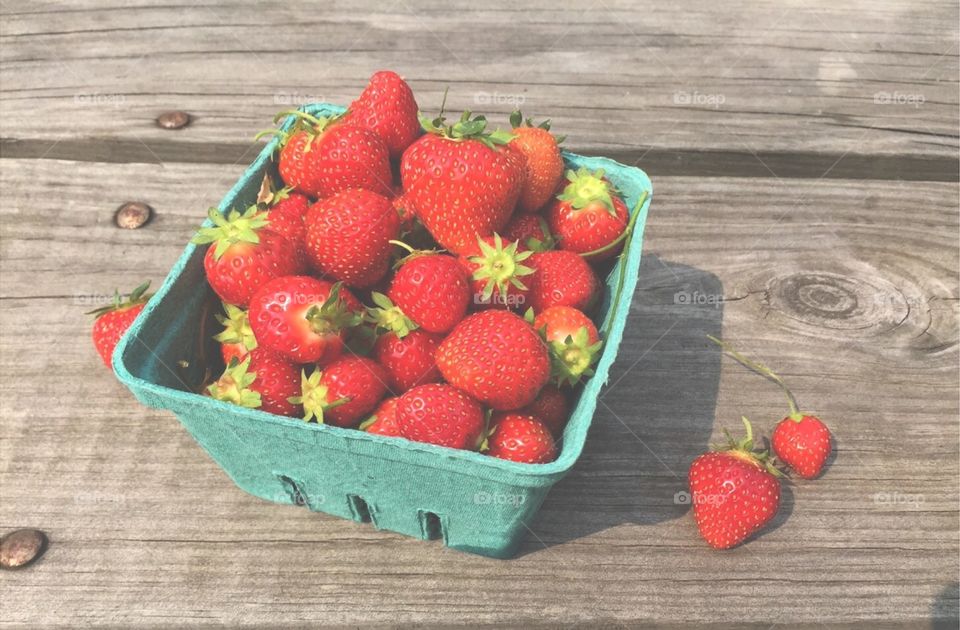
column 804, row 156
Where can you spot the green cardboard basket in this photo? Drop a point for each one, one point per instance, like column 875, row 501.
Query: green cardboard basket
column 473, row 502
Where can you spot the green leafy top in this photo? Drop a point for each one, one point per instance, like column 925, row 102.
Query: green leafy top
column 333, row 315
column 585, row 188
column 572, row 358
column 314, row 397
column 236, row 327
column 500, row 267
column 388, row 317
column 231, row 229
column 744, row 449
column 234, row 385
column 137, row 296
column 314, row 126
column 466, row 128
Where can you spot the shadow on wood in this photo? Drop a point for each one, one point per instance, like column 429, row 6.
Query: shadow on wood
column 944, row 613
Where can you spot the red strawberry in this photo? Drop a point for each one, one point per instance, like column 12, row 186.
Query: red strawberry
column 573, row 340
column 408, row 360
column 734, row 493
column 244, row 254
column 263, row 380
column 462, row 181
column 520, row 438
column 302, row 318
column 387, row 106
column 544, row 165
column 286, row 211
column 432, row 290
column 440, row 414
column 114, row 320
column 562, row 278
column 551, row 408
column 531, row 230
column 497, row 273
column 496, row 357
column 588, row 215
column 343, row 392
column 323, row 156
column 349, row 234
column 236, row 339
column 384, row 419
column 405, row 208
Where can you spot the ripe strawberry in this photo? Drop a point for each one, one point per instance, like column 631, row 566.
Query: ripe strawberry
column 531, row 230
column 734, row 492
column 440, row 414
column 405, row 208
column 496, row 357
column 263, row 380
column 349, row 234
column 387, row 106
column 343, row 392
column 573, row 341
column 551, row 408
column 244, row 254
column 463, row 182
column 237, row 338
column 432, row 290
column 588, row 215
column 302, row 318
column 114, row 320
column 497, row 273
column 323, row 156
column 562, row 278
column 286, row 211
column 384, row 419
column 408, row 360
column 520, row 438
column 544, row 165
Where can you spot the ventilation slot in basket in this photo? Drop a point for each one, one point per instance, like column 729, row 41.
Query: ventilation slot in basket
column 430, row 526
column 293, row 490
column 361, row 511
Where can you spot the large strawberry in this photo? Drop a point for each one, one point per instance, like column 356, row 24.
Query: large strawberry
column 440, row 414
column 408, row 360
column 263, row 380
column 496, row 357
column 497, row 272
column 573, row 340
column 589, row 215
column 520, row 438
column 303, row 318
column 349, row 234
column 237, row 338
column 561, row 278
column 244, row 254
column 551, row 408
column 462, row 181
column 734, row 492
column 343, row 392
column 387, row 106
column 383, row 421
column 114, row 320
column 432, row 290
column 544, row 165
column 322, row 156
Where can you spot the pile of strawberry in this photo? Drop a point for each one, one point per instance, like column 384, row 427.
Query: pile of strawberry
column 415, row 278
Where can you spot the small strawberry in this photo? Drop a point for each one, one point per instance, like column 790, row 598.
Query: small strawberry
column 263, row 380
column 114, row 320
column 244, row 254
column 462, row 180
column 237, row 338
column 349, row 234
column 497, row 273
column 408, row 360
column 520, row 438
column 383, row 421
column 496, row 357
column 573, row 340
column 343, row 392
column 302, row 318
column 286, row 211
column 387, row 106
column 550, row 407
column 562, row 278
column 440, row 414
column 589, row 215
column 431, row 289
column 544, row 165
column 734, row 492
column 531, row 230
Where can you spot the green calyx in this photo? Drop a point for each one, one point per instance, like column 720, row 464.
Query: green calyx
column 744, row 449
column 500, row 267
column 333, row 315
column 517, row 120
column 137, row 296
column 467, row 128
column 314, row 397
column 269, row 195
column 231, row 229
column 234, row 385
column 586, row 188
column 573, row 358
column 535, row 244
column 236, row 327
column 795, row 414
column 314, row 126
column 388, row 317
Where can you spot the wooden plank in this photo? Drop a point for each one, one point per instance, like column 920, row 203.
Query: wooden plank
column 848, row 288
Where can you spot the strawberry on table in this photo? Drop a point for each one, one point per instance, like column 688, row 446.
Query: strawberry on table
column 550, row 407
column 383, row 421
column 114, row 320
column 408, row 360
column 588, row 215
column 440, row 414
column 343, row 392
column 497, row 272
column 561, row 278
column 388, row 107
column 519, row 438
column 263, row 380
column 237, row 338
column 573, row 341
column 432, row 289
column 544, row 164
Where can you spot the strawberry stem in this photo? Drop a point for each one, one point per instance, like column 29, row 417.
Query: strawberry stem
column 763, row 370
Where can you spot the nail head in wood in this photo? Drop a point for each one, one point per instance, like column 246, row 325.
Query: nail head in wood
column 21, row 548
column 133, row 215
column 173, row 120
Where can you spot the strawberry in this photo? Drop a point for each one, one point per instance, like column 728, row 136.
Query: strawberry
column 433, row 290
column 497, row 272
column 263, row 380
column 237, row 338
column 544, row 165
column 286, row 211
column 244, row 254
column 408, row 360
column 551, row 408
column 531, row 230
column 734, row 492
column 496, row 357
column 387, row 106
column 383, row 421
column 573, row 340
column 462, row 181
column 323, row 156
column 405, row 208
column 440, row 414
column 562, row 278
column 343, row 392
column 520, row 438
column 349, row 234
column 114, row 320
column 302, row 318
column 588, row 215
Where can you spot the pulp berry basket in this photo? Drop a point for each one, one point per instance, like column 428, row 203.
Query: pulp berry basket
column 473, row 502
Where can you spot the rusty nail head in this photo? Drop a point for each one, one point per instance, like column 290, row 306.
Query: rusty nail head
column 173, row 120
column 20, row 548
column 132, row 215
